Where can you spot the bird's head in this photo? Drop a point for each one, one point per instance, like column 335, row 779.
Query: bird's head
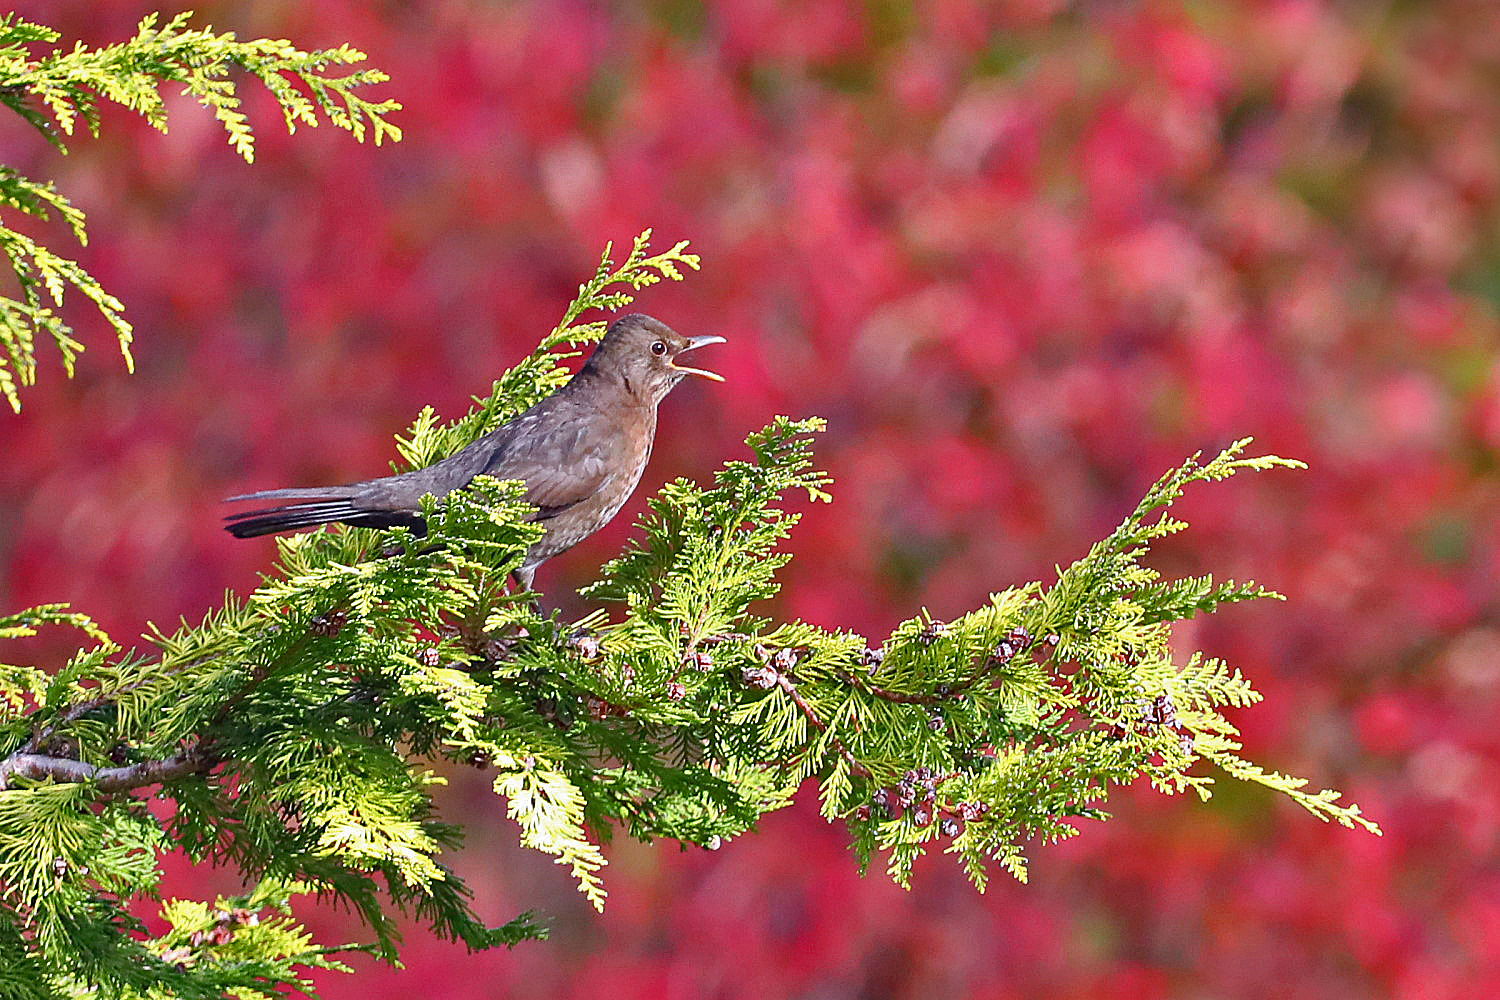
column 644, row 353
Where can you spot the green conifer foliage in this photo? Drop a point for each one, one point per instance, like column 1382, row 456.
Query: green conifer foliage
column 57, row 90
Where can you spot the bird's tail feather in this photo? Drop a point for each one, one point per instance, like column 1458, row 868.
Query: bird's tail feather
column 316, row 506
column 298, row 493
column 250, row 523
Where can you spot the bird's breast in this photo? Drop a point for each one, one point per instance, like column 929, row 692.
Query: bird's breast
column 626, row 453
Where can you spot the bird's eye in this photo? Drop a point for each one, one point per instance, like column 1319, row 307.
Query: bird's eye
column 659, row 347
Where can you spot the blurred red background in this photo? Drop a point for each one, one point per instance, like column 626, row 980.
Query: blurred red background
column 1024, row 256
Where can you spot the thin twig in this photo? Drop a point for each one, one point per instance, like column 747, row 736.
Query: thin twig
column 71, row 714
column 785, row 683
column 257, row 677
column 884, row 694
column 78, row 710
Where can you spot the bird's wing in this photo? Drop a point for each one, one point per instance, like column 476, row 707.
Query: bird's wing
column 562, row 461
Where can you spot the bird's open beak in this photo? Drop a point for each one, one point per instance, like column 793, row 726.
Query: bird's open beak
column 692, row 345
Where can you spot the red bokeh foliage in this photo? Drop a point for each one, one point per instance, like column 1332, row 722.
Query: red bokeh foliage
column 1024, row 256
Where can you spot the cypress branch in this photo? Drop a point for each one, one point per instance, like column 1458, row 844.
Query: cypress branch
column 294, row 731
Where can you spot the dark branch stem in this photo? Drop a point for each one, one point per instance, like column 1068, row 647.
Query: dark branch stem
column 39, row 767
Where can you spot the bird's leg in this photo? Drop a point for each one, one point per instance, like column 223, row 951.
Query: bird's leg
column 523, row 575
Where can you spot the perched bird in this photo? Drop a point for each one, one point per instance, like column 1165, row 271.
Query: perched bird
column 580, row 452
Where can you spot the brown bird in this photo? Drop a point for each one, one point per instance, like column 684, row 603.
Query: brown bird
column 580, row 452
